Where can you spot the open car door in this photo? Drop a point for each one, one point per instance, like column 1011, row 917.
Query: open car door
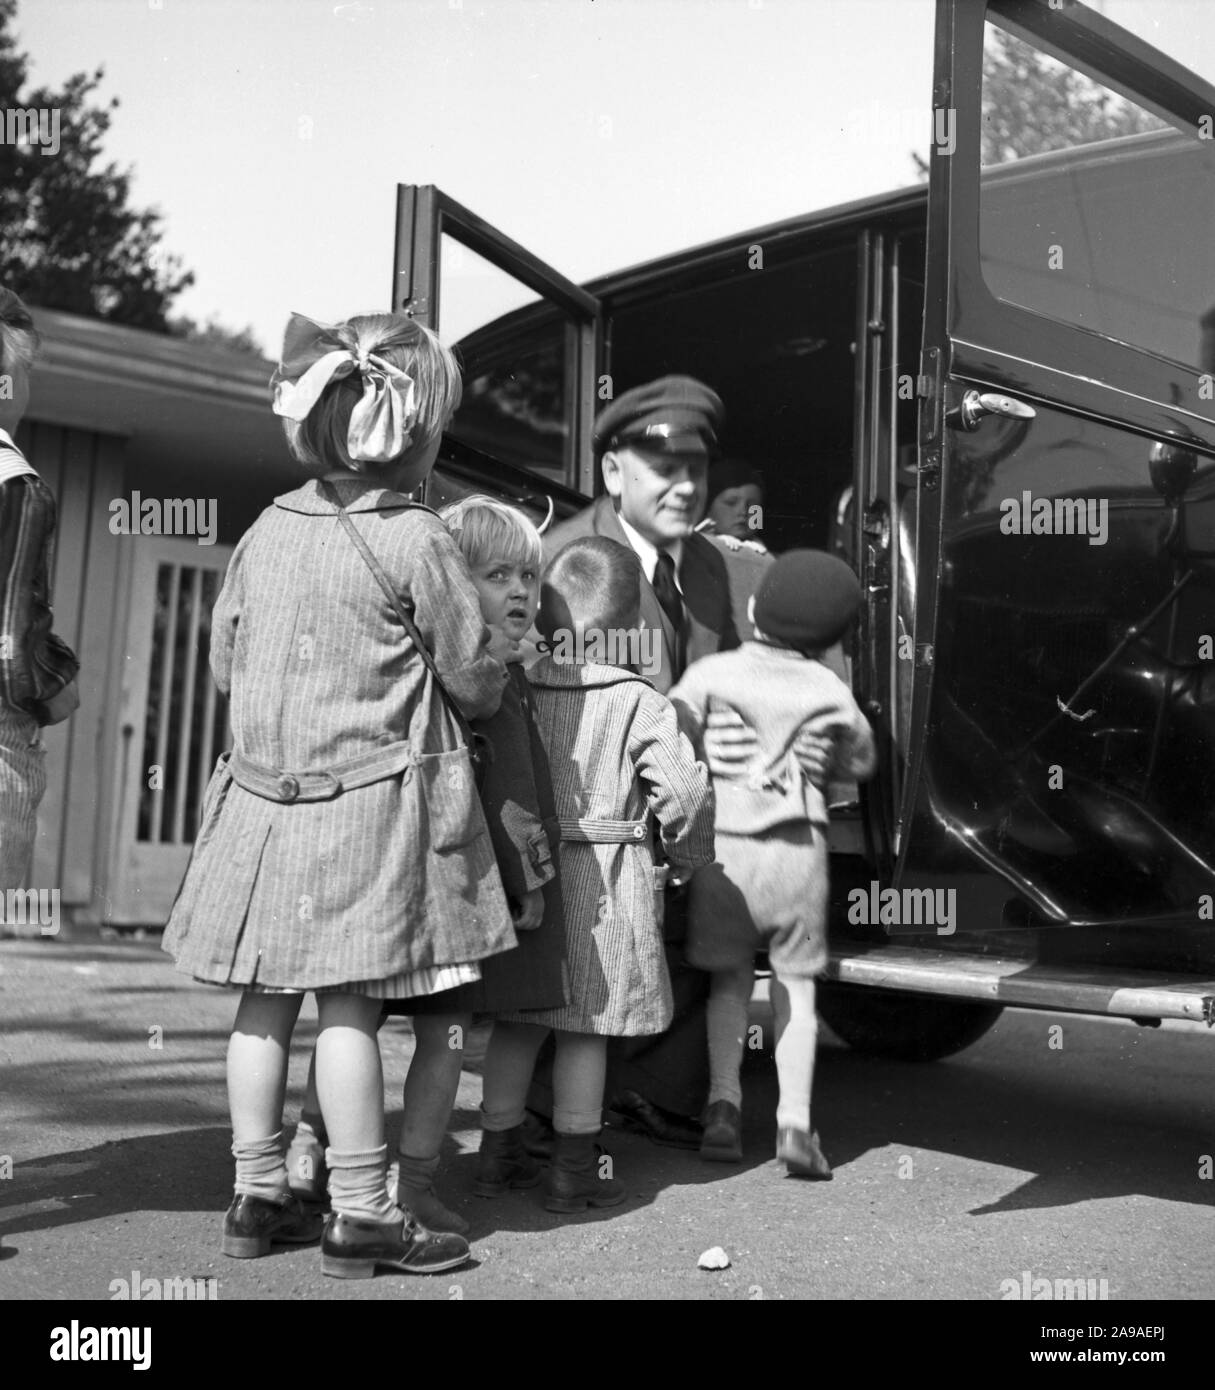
column 1064, row 697
column 529, row 343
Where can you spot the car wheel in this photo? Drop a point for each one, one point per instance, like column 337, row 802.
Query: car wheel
column 908, row 1027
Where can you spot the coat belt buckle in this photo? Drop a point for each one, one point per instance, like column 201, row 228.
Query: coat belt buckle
column 288, row 788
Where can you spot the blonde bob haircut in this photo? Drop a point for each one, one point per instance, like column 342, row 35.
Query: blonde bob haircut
column 18, row 336
column 486, row 529
column 319, row 440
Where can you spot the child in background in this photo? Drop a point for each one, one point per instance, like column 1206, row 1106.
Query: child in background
column 318, row 864
column 616, row 753
column 768, row 886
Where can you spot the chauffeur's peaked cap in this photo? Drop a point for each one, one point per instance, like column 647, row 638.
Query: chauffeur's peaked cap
column 675, row 414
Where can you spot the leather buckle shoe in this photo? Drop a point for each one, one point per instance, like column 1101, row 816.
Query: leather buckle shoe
column 641, row 1116
column 254, row 1224
column 354, row 1246
column 799, row 1151
column 722, row 1142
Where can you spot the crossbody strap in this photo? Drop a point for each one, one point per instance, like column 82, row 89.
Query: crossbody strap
column 394, row 598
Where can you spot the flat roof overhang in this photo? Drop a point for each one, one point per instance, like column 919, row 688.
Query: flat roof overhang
column 177, row 404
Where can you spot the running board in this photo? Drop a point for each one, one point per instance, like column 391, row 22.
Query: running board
column 1075, row 989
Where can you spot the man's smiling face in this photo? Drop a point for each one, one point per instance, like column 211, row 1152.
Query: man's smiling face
column 661, row 495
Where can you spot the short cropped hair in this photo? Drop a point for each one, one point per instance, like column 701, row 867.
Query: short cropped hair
column 319, row 440
column 486, row 529
column 593, row 583
column 18, row 337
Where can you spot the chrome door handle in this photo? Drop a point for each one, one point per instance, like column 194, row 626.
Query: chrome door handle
column 975, row 405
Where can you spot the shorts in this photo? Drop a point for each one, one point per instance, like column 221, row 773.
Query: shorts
column 767, row 891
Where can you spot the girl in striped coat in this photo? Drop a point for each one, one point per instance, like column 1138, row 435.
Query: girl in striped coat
column 342, row 847
column 617, row 757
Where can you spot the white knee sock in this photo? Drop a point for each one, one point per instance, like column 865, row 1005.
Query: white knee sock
column 796, row 1040
column 358, row 1183
column 261, row 1168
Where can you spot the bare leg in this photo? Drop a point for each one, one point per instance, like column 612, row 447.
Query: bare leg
column 578, row 1077
column 430, row 1093
column 510, row 1060
column 432, row 1082
column 729, row 998
column 257, row 1063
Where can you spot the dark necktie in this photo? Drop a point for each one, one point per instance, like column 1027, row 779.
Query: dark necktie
column 669, row 600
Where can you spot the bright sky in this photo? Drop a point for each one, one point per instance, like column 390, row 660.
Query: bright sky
column 272, row 133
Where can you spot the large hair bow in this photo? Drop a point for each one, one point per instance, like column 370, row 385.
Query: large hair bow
column 314, row 354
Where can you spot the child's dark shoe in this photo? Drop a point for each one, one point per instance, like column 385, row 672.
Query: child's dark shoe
column 577, row 1178
column 415, row 1188
column 722, row 1141
column 799, row 1151
column 537, row 1136
column 641, row 1116
column 254, row 1224
column 307, row 1172
column 354, row 1247
column 504, row 1162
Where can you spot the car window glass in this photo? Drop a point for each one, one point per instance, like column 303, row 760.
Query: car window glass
column 1091, row 206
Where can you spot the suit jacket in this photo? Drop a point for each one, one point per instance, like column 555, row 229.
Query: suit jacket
column 706, row 589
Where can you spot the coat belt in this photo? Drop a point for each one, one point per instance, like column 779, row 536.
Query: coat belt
column 603, row 832
column 275, row 784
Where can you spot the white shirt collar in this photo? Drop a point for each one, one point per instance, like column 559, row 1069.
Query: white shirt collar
column 6, row 438
column 647, row 551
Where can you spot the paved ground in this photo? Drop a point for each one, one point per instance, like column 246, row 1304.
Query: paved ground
column 1085, row 1161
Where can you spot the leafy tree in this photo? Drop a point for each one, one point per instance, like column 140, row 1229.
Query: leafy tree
column 215, row 334
column 1033, row 103
column 68, row 237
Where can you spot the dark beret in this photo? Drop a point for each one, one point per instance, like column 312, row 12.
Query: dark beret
column 807, row 599
column 675, row 414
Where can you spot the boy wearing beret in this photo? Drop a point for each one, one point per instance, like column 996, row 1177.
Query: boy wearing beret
column 768, row 886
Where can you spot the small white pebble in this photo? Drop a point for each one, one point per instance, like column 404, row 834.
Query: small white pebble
column 714, row 1259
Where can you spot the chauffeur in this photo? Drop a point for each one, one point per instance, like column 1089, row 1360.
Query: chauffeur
column 654, row 444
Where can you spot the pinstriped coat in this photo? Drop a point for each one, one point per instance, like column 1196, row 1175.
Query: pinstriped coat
column 615, row 750
column 382, row 878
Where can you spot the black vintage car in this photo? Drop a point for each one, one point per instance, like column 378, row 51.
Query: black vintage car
column 995, row 395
